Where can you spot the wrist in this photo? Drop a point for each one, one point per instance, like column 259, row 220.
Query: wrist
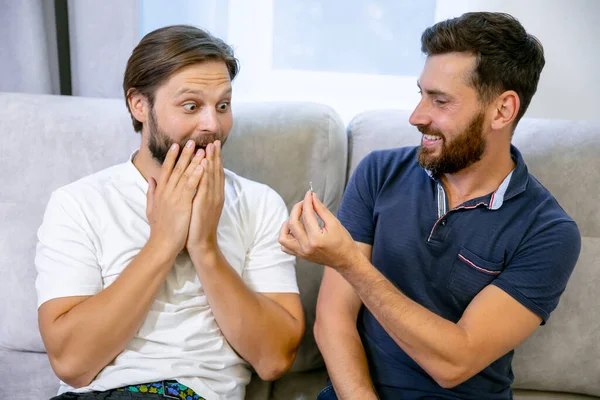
column 356, row 269
column 203, row 253
column 161, row 250
column 352, row 259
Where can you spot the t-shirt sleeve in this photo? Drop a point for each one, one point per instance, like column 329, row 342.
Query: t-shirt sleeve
column 356, row 209
column 538, row 274
column 65, row 259
column 268, row 269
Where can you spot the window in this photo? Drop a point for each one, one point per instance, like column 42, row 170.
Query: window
column 353, row 55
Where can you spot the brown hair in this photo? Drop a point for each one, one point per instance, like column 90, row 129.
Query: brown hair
column 164, row 51
column 507, row 57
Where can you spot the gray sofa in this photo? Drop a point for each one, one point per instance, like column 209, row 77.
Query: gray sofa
column 48, row 141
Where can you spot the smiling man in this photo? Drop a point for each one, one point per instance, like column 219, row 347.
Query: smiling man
column 162, row 276
column 448, row 255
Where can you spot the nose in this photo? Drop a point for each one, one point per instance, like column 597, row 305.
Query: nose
column 420, row 115
column 208, row 120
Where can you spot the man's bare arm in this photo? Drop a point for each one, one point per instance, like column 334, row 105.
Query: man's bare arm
column 492, row 325
column 338, row 339
column 264, row 328
column 84, row 334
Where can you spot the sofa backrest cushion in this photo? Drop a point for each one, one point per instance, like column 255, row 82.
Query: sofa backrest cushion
column 47, row 142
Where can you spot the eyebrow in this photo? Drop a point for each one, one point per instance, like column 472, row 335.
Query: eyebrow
column 197, row 92
column 433, row 92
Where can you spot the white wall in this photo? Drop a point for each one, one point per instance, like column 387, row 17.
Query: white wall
column 569, row 30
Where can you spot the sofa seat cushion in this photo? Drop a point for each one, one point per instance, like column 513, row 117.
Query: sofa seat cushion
column 300, row 385
column 537, row 395
column 26, row 376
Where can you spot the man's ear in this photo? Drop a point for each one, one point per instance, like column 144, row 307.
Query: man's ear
column 506, row 108
column 138, row 104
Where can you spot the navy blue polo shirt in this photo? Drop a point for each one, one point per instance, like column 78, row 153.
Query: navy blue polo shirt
column 517, row 238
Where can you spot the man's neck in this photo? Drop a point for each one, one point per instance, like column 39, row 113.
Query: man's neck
column 146, row 164
column 479, row 179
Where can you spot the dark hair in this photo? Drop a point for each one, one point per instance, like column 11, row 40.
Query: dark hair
column 507, row 57
column 164, row 51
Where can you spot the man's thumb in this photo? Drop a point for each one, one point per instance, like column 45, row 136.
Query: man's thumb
column 322, row 211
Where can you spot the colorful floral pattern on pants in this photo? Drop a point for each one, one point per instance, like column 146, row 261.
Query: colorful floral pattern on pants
column 171, row 389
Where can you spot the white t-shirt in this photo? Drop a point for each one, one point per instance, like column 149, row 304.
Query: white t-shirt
column 93, row 228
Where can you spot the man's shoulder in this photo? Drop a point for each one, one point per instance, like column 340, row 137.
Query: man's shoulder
column 93, row 186
column 532, row 199
column 541, row 219
column 546, row 206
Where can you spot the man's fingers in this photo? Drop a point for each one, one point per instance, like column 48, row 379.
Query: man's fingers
column 182, row 164
column 210, row 167
column 287, row 240
column 323, row 212
column 220, row 174
column 210, row 151
column 284, row 230
column 296, row 226
column 308, row 215
column 202, row 191
column 168, row 164
column 287, row 251
column 203, row 188
column 194, row 181
column 217, row 149
column 191, row 177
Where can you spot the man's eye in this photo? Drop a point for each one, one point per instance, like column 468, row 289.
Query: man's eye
column 223, row 106
column 190, row 106
column 440, row 102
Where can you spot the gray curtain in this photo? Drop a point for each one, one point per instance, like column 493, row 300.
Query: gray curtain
column 101, row 36
column 28, row 55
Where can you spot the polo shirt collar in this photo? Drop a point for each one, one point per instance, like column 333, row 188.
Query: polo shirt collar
column 520, row 175
column 515, row 183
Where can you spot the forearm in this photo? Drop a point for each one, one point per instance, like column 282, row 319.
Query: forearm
column 263, row 332
column 439, row 346
column 345, row 358
column 90, row 335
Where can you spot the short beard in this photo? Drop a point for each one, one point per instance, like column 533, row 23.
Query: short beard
column 159, row 141
column 459, row 153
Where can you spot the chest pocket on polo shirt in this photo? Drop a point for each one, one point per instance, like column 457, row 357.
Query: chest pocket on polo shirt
column 470, row 274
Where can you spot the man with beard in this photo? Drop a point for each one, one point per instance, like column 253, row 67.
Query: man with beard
column 445, row 257
column 163, row 275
